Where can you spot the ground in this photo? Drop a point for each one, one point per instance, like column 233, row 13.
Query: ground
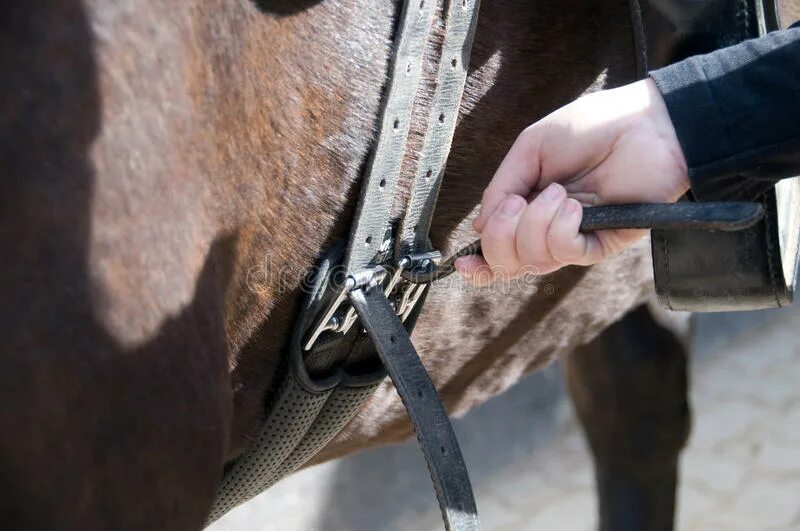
column 530, row 467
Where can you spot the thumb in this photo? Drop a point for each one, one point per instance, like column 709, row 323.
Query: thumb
column 518, row 174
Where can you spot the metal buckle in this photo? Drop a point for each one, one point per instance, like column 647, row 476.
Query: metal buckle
column 404, row 296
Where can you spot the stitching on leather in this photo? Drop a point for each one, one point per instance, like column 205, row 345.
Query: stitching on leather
column 665, row 251
column 742, row 19
column 773, row 276
column 639, row 39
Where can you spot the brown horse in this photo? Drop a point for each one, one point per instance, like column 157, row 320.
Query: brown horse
column 170, row 172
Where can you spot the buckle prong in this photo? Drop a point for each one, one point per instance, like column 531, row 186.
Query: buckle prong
column 333, row 321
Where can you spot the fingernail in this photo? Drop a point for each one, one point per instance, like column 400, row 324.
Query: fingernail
column 552, row 192
column 569, row 209
column 512, row 205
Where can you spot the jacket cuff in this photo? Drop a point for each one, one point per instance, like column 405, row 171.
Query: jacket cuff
column 699, row 125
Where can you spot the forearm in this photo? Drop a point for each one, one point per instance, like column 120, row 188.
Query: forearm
column 736, row 113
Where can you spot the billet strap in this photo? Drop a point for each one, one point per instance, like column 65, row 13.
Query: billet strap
column 462, row 17
column 715, row 217
column 379, row 184
column 377, row 315
column 425, row 409
column 702, row 270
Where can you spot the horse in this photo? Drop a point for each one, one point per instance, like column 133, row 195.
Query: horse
column 170, row 173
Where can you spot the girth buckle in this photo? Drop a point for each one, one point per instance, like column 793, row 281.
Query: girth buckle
column 339, row 316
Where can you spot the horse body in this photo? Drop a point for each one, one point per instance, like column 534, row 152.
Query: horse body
column 475, row 342
column 171, row 171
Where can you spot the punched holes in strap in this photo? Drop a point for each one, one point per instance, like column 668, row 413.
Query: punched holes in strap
column 462, row 17
column 379, row 185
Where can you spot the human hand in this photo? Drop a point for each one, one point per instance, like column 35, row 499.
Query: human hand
column 614, row 146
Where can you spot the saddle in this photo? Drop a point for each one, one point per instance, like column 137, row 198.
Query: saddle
column 364, row 296
column 701, row 270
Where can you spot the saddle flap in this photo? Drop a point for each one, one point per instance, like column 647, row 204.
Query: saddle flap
column 721, row 271
column 753, row 268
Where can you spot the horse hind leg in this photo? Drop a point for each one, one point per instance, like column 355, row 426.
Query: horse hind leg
column 629, row 387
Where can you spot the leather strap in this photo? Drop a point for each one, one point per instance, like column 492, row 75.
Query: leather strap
column 379, row 184
column 721, row 271
column 428, row 416
column 708, row 216
column 462, row 17
column 723, row 216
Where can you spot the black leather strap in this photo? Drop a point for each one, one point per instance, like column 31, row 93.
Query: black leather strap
column 425, row 409
column 709, row 216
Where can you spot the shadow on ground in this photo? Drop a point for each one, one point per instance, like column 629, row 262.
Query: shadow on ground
column 384, row 487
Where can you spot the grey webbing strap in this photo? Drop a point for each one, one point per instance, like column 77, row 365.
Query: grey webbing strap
column 462, row 17
column 289, row 419
column 299, row 425
column 419, row 396
column 380, row 182
column 303, row 415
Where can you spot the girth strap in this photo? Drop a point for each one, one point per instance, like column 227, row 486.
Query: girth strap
column 462, row 17
column 379, row 184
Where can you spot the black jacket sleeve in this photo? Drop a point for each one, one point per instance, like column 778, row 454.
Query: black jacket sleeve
column 736, row 112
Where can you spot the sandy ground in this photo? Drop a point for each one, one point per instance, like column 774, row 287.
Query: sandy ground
column 530, row 467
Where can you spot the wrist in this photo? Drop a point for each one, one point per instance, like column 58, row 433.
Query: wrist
column 658, row 117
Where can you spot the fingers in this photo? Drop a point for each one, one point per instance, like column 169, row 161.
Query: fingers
column 518, row 174
column 475, row 269
column 498, row 238
column 567, row 244
column 548, row 236
column 541, row 237
column 533, row 243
